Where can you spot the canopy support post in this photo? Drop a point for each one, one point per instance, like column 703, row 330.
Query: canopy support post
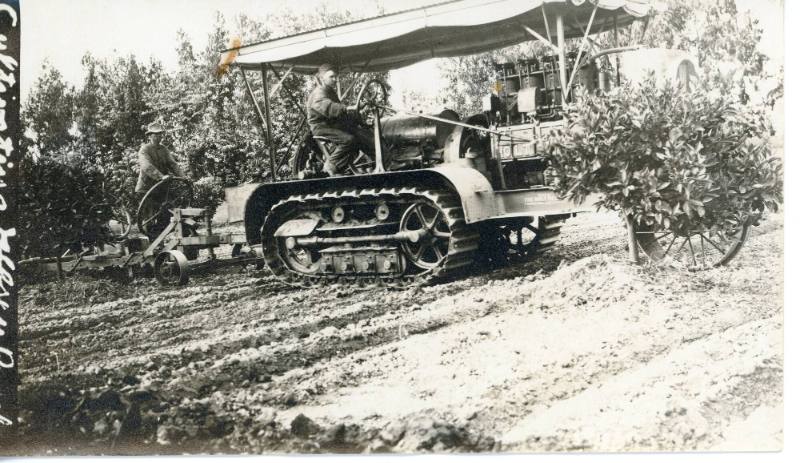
column 546, row 25
column 592, row 42
column 541, row 39
column 303, row 119
column 379, row 168
column 580, row 51
column 616, row 44
column 644, row 28
column 265, row 132
column 562, row 56
column 270, row 145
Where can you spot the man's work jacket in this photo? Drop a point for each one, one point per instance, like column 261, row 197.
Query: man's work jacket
column 155, row 161
column 324, row 109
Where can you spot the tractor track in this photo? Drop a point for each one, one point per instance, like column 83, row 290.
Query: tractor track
column 573, row 350
column 462, row 239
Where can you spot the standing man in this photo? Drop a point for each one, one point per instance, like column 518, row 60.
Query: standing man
column 155, row 160
column 329, row 118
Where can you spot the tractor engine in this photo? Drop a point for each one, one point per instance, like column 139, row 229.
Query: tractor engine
column 416, row 141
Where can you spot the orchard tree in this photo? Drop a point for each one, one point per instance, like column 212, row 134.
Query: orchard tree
column 48, row 112
column 671, row 159
column 91, row 136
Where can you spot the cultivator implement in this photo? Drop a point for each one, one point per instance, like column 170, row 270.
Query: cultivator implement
column 168, row 242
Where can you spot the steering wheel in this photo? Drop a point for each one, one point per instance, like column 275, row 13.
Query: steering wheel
column 373, row 95
column 153, row 214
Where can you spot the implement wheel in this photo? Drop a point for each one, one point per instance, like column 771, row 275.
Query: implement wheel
column 696, row 249
column 171, row 268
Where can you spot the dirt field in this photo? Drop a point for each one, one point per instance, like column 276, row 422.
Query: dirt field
column 574, row 351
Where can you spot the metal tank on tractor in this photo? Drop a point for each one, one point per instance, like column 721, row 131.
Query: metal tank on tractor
column 443, row 189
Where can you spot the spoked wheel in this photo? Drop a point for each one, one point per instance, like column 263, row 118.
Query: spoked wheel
column 433, row 243
column 696, row 249
column 153, row 214
column 519, row 241
column 171, row 268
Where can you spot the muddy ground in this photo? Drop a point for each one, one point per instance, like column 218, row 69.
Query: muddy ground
column 577, row 350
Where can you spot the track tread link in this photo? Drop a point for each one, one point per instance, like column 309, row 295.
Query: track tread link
column 550, row 231
column 464, row 239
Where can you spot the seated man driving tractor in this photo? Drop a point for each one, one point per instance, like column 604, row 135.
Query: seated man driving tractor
column 333, row 120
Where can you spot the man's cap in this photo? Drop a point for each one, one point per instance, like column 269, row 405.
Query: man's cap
column 325, row 68
column 155, row 127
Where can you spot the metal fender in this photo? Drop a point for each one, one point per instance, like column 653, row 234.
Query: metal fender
column 477, row 194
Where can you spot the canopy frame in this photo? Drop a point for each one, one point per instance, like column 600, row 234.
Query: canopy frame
column 559, row 47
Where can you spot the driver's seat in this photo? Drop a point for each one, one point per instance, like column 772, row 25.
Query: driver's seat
column 362, row 164
column 324, row 145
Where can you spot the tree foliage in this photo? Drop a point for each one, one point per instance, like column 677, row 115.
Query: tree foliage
column 61, row 205
column 213, row 129
column 680, row 160
column 48, row 112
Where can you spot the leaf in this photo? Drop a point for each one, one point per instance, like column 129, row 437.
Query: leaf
column 674, row 134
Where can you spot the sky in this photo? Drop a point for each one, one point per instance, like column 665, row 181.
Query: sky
column 62, row 31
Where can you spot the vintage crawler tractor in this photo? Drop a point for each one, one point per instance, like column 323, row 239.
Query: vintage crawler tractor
column 443, row 189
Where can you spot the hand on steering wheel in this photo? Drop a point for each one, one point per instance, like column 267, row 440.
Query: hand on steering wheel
column 373, row 96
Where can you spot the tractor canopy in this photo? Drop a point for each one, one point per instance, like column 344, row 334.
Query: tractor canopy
column 454, row 28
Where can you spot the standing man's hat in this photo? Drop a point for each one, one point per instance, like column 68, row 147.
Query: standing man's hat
column 155, row 127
